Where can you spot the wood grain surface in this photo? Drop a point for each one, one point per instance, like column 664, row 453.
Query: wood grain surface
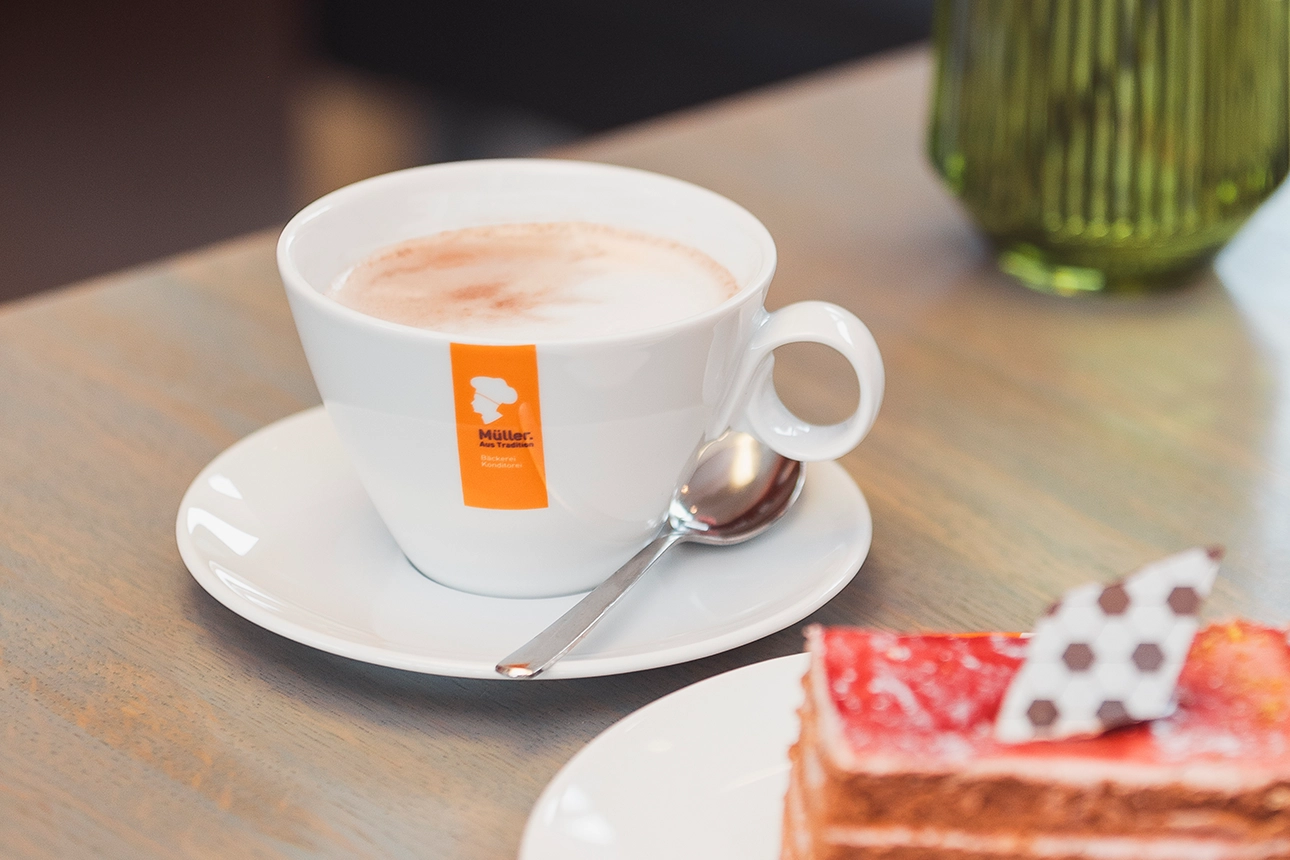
column 1027, row 444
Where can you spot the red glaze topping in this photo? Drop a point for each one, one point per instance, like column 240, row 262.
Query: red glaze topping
column 937, row 695
column 1237, row 674
column 919, row 684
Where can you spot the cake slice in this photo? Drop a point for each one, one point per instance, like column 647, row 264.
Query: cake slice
column 898, row 760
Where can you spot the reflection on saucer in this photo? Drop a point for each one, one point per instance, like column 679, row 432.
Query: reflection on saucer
column 278, row 529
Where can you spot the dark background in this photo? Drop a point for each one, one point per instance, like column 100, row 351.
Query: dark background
column 138, row 129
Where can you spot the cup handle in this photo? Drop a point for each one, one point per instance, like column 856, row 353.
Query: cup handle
column 765, row 414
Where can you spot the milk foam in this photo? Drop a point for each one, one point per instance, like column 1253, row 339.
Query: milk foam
column 532, row 282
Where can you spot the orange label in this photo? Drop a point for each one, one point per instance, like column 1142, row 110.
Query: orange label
column 499, row 426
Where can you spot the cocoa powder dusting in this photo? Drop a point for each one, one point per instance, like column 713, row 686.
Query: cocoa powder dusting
column 566, row 276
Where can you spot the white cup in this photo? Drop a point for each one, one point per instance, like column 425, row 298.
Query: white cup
column 619, row 417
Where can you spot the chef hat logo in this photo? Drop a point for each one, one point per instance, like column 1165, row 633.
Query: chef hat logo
column 490, row 393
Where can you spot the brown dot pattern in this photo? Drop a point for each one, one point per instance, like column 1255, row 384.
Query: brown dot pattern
column 1148, row 657
column 1184, row 600
column 1105, row 657
column 1113, row 714
column 1042, row 713
column 1114, row 600
column 1077, row 657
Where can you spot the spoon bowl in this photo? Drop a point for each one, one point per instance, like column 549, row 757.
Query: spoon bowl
column 737, row 490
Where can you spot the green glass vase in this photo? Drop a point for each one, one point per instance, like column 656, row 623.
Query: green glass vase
column 1110, row 145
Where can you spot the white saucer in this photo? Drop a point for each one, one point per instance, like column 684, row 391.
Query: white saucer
column 279, row 530
column 697, row 775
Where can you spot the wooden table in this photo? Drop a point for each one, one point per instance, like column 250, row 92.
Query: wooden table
column 1027, row 444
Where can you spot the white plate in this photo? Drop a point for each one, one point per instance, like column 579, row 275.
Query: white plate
column 697, row 775
column 278, row 529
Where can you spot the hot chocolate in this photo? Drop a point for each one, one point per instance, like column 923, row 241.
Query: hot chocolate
column 532, row 282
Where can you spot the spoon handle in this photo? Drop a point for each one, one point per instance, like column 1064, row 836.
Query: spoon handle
column 543, row 650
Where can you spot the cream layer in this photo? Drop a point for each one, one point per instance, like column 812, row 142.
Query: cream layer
column 1054, row 846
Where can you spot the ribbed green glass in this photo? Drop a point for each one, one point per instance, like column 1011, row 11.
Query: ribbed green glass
column 1110, row 144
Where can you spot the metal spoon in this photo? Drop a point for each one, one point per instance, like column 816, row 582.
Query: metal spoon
column 739, row 488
